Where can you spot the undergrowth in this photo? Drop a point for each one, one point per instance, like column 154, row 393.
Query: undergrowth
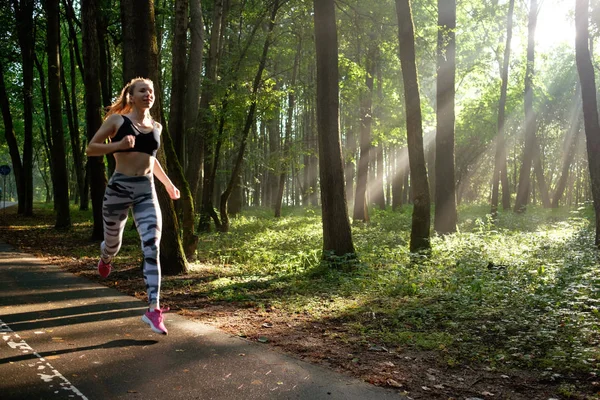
column 521, row 291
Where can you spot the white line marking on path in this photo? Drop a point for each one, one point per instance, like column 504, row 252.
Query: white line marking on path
column 46, row 372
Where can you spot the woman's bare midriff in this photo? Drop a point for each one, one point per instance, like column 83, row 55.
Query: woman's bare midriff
column 133, row 163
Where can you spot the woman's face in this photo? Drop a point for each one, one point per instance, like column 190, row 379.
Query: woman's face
column 143, row 95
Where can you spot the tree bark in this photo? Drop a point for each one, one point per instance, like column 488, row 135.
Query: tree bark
column 11, row 141
column 337, row 235
column 140, row 58
column 25, row 32
column 60, row 177
column 445, row 181
column 421, row 218
column 93, row 105
column 587, row 80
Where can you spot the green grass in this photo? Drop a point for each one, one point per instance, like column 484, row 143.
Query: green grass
column 523, row 292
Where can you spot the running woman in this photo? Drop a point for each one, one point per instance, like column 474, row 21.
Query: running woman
column 134, row 137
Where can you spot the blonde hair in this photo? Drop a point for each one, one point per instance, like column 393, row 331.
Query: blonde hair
column 123, row 104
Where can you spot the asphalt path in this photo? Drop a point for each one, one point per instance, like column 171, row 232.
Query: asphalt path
column 65, row 337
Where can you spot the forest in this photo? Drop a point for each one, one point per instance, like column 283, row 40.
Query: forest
column 414, row 175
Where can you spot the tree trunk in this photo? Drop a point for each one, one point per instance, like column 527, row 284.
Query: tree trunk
column 73, row 123
column 11, row 141
column 140, row 58
column 25, row 32
column 176, row 127
column 500, row 174
column 178, row 75
column 587, row 80
column 337, row 235
column 569, row 149
column 419, row 236
column 60, row 178
column 200, row 156
column 93, row 118
column 524, row 188
column 361, row 209
column 192, row 85
column 288, row 131
column 445, row 182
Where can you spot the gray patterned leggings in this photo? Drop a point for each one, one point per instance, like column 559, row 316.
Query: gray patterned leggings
column 136, row 192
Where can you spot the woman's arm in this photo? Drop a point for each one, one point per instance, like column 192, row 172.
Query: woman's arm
column 159, row 172
column 98, row 147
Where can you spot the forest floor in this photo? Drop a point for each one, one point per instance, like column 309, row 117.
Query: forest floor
column 342, row 341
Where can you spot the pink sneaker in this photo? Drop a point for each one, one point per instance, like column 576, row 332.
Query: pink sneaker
column 104, row 268
column 156, row 320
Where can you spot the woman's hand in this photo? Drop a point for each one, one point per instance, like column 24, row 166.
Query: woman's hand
column 128, row 142
column 173, row 192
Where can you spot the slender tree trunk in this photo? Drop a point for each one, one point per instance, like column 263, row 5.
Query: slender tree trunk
column 361, row 210
column 570, row 148
column 288, row 131
column 500, row 174
column 589, row 102
column 337, row 235
column 140, row 58
column 420, row 230
column 445, row 182
column 524, row 188
column 60, row 177
column 11, row 141
column 73, row 123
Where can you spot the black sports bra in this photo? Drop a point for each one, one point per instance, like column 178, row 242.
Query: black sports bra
column 145, row 142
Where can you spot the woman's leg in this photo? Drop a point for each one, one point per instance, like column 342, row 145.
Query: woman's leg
column 148, row 219
column 118, row 197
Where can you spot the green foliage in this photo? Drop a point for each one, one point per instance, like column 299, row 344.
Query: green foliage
column 527, row 284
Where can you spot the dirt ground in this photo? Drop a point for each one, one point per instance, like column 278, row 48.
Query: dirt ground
column 418, row 375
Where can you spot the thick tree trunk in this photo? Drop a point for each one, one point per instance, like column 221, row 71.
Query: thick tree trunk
column 500, row 174
column 93, row 105
column 445, row 182
column 25, row 32
column 337, row 235
column 420, row 230
column 192, row 85
column 140, row 58
column 589, row 103
column 176, row 127
column 178, row 75
column 60, row 177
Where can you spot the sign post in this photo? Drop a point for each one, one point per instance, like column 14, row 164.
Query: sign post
column 4, row 171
